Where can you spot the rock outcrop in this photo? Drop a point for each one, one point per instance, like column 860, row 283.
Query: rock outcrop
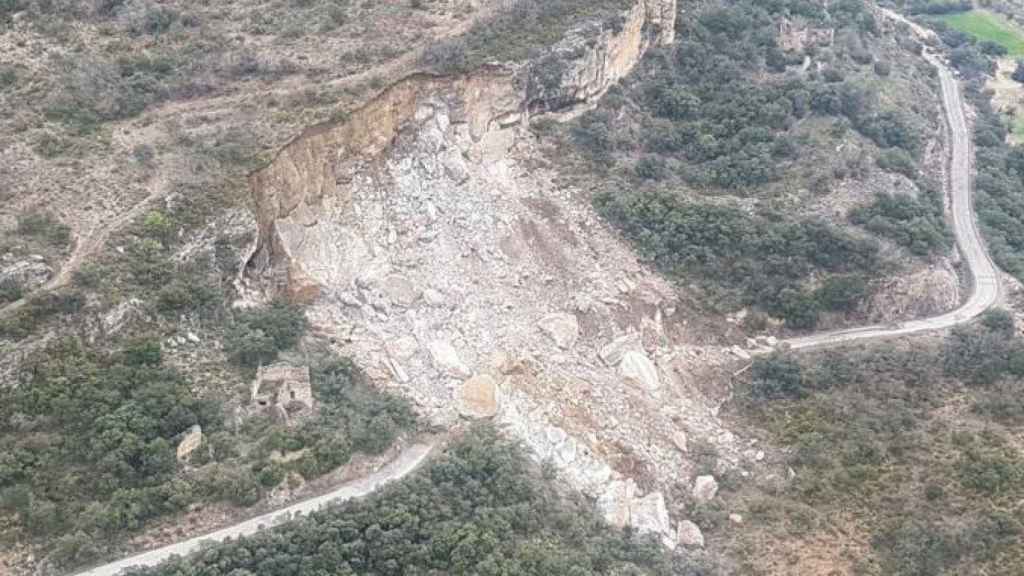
column 690, row 534
column 28, row 274
column 318, row 170
column 192, row 439
column 705, row 488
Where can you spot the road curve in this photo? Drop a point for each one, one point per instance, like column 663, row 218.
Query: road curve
column 985, row 280
column 406, row 462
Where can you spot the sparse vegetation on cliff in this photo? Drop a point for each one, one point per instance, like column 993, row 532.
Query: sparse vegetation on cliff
column 520, row 30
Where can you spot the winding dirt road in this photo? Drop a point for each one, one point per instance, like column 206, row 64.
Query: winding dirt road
column 985, row 281
column 405, row 463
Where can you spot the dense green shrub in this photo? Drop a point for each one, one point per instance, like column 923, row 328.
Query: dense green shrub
column 895, row 160
column 258, row 335
column 763, row 259
column 110, row 418
column 984, row 354
column 860, row 422
column 10, row 290
column 479, row 508
column 842, row 293
column 8, row 77
column 999, row 202
column 720, row 105
column 919, row 225
column 776, row 376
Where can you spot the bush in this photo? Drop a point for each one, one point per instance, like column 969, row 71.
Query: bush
column 8, row 78
column 896, row 160
column 842, row 293
column 776, row 376
column 10, row 290
column 258, row 335
column 916, row 224
column 191, row 291
column 982, row 355
column 761, row 259
column 158, row 227
column 651, row 168
column 37, row 310
column 1018, row 72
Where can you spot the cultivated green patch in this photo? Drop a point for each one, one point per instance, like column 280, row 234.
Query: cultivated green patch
column 989, row 26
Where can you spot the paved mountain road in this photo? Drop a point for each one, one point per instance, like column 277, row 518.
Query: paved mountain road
column 986, row 285
column 403, row 464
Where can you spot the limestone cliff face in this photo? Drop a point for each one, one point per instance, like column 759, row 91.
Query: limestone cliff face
column 291, row 191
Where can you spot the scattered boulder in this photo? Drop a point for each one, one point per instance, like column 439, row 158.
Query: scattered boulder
column 690, row 535
column 402, row 348
column 740, row 353
column 562, row 328
column 447, row 360
column 433, row 297
column 479, row 397
column 400, row 291
column 679, row 440
column 649, row 515
column 614, row 503
column 192, row 439
column 637, row 368
column 736, row 518
column 705, row 488
column 613, row 352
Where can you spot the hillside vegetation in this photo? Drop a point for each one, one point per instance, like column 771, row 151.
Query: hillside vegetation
column 481, row 508
column 912, row 449
column 725, row 155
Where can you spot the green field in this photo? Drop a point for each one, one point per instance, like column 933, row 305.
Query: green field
column 985, row 25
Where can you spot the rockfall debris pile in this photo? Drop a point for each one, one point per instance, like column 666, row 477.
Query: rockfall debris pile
column 449, row 266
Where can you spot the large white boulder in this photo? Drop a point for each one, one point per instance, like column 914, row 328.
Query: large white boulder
column 562, row 328
column 638, row 369
column 705, row 488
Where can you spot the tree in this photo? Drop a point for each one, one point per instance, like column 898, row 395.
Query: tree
column 1018, row 73
column 777, row 376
